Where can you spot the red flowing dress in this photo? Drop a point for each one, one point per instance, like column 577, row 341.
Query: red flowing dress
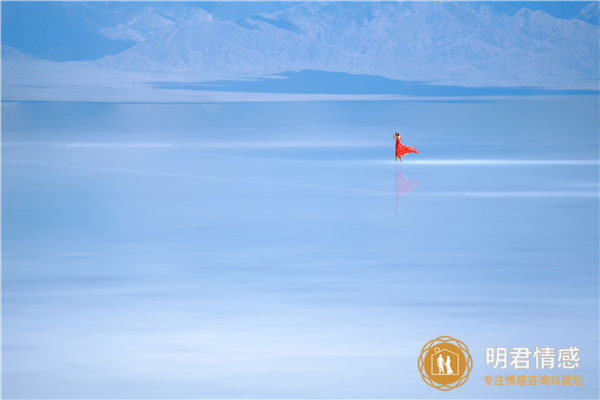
column 402, row 150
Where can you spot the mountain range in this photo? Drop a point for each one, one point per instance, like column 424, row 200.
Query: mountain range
column 466, row 44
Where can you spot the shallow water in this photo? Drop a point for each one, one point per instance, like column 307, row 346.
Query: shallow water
column 275, row 250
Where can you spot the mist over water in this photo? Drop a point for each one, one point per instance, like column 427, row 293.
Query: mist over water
column 274, row 250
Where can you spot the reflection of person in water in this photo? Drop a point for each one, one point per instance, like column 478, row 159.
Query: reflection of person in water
column 402, row 150
column 449, row 370
column 440, row 364
column 403, row 186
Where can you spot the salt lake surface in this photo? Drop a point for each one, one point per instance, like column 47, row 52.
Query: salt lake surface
column 274, row 250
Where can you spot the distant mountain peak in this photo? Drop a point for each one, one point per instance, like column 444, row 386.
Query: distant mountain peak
column 443, row 43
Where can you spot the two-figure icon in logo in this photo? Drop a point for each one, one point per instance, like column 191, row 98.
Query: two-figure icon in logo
column 445, row 363
column 444, row 367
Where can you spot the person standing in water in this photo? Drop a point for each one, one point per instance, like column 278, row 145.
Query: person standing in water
column 402, row 150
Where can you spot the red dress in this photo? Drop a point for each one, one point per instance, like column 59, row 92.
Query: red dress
column 402, row 150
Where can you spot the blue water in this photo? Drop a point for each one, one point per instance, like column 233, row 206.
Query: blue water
column 314, row 81
column 274, row 250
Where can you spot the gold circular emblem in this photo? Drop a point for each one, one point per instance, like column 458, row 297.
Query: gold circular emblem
column 445, row 363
